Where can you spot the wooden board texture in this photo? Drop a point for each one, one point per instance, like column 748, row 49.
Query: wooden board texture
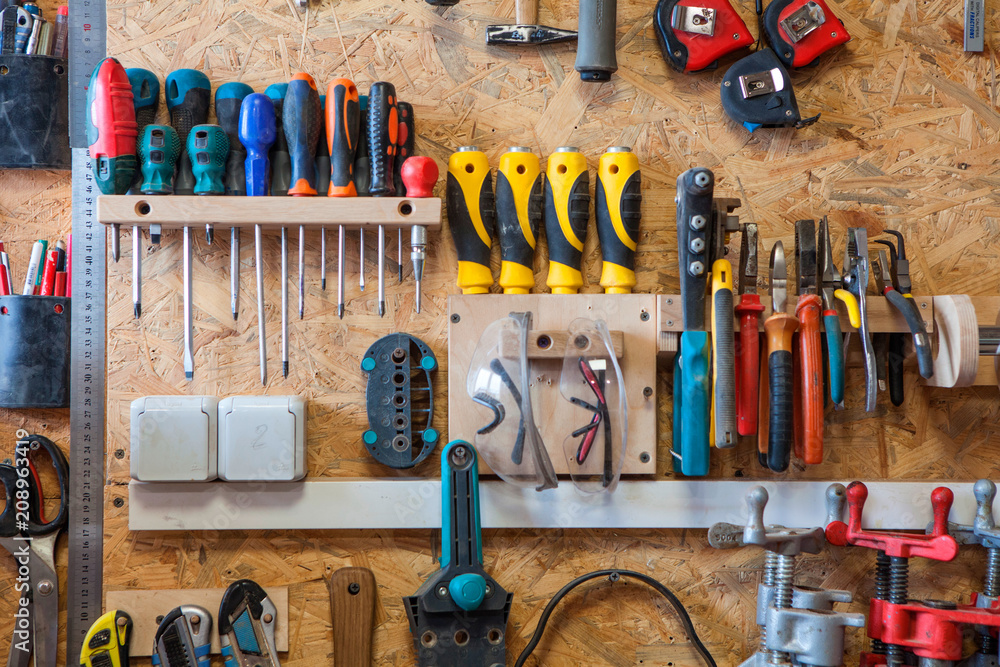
column 907, row 141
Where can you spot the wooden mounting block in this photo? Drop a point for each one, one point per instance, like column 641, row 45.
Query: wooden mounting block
column 631, row 319
column 177, row 211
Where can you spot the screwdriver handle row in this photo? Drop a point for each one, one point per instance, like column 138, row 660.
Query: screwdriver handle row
column 525, row 199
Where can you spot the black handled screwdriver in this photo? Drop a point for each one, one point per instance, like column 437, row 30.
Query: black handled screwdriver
column 383, row 129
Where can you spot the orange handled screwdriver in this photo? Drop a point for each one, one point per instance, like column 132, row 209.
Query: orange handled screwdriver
column 809, row 311
column 343, row 123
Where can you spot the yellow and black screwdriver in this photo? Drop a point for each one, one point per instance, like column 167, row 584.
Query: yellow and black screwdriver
column 472, row 217
column 617, row 208
column 567, row 212
column 519, row 211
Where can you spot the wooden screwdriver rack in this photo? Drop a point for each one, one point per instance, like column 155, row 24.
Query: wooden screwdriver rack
column 179, row 211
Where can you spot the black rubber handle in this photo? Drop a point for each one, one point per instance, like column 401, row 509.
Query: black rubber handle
column 227, row 111
column 405, row 141
column 921, row 341
column 382, row 130
column 595, row 51
column 514, row 247
column 779, row 432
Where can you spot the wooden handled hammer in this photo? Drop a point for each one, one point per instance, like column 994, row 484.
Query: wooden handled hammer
column 526, row 30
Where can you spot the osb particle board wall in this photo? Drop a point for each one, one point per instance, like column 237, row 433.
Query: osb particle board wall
column 907, row 140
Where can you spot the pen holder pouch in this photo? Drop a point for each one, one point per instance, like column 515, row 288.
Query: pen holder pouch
column 34, row 351
column 34, row 113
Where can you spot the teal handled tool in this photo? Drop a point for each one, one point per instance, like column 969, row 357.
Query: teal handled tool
column 258, row 130
column 695, row 188
column 146, row 102
column 459, row 615
column 247, row 620
column 188, row 94
column 831, row 288
column 228, row 100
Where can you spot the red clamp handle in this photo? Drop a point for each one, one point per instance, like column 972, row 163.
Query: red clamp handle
column 937, row 545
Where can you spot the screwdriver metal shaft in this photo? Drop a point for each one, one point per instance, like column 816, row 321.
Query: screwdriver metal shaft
column 322, row 258
column 302, row 271
column 284, row 301
column 381, row 270
column 361, row 269
column 188, row 324
column 399, row 256
column 340, row 272
column 137, row 271
column 234, row 271
column 262, row 338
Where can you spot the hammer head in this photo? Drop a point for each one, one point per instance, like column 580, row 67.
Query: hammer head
column 526, row 35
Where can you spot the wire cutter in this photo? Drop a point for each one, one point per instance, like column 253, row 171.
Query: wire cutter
column 748, row 312
column 31, row 540
column 897, row 269
column 856, row 282
column 809, row 426
column 831, row 288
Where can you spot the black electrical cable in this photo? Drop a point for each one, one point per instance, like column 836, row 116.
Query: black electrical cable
column 613, row 576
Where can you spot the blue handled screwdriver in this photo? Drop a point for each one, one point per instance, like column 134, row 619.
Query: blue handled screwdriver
column 257, row 132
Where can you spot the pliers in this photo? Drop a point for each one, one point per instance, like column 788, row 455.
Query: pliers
column 831, row 288
column 856, row 282
column 897, row 268
column 809, row 390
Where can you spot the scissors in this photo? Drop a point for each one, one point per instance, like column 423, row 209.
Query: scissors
column 31, row 540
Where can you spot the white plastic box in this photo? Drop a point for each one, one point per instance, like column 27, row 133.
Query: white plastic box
column 262, row 438
column 174, row 439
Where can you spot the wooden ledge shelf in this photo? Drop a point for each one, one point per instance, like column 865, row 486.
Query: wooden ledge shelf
column 178, row 211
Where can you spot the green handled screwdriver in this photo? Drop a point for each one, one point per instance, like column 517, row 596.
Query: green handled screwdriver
column 207, row 148
column 188, row 94
column 145, row 101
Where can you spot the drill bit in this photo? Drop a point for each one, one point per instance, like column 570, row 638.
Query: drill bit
column 302, row 271
column 188, row 332
column 284, row 301
column 234, row 271
column 209, row 233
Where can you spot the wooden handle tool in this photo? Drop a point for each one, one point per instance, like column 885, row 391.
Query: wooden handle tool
column 352, row 603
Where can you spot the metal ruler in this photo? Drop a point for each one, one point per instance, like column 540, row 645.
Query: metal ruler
column 87, row 41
